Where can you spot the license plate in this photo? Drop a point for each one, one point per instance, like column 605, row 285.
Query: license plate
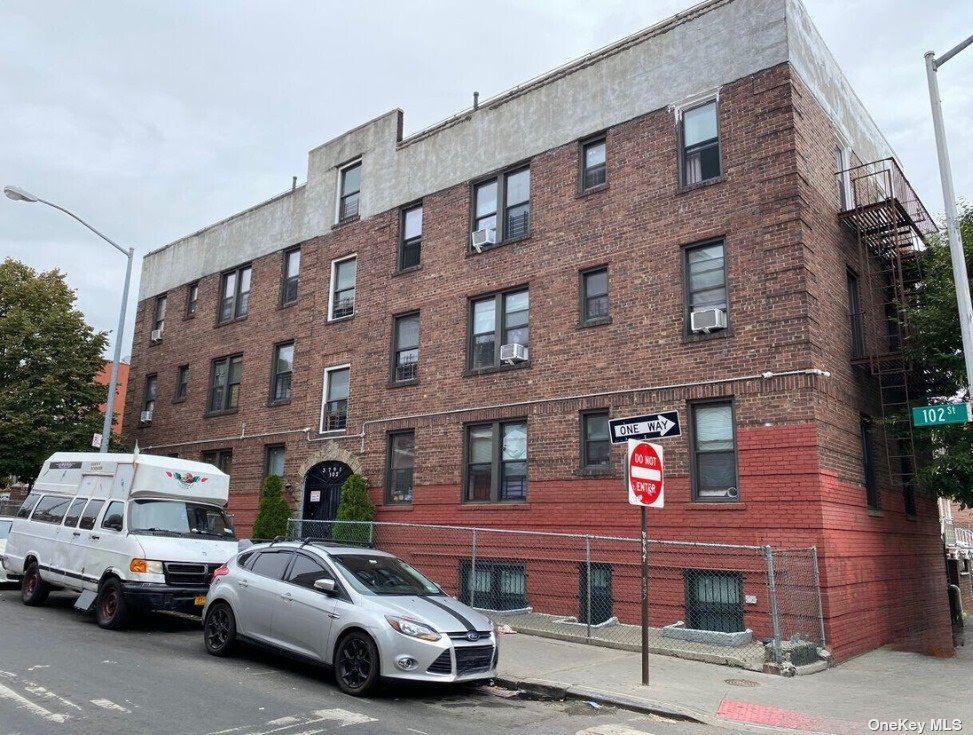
column 200, row 600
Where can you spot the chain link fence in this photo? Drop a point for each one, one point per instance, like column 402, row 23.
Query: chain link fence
column 737, row 605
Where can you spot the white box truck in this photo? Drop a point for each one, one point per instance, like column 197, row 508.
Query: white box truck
column 129, row 532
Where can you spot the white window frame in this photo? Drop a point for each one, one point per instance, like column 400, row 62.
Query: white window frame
column 337, row 188
column 847, row 192
column 331, row 285
column 324, row 397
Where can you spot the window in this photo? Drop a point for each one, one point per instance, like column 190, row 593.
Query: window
column 503, row 205
column 305, row 571
column 28, row 505
column 594, row 169
column 596, row 444
column 714, row 600
column 74, row 512
column 274, row 460
column 271, row 564
column 401, row 462
column 845, row 198
column 224, row 394
column 114, row 516
column 350, row 189
column 405, row 365
column 292, row 269
column 700, row 144
column 192, row 296
column 868, row 463
column 51, row 509
column 148, row 404
column 159, row 320
column 493, row 585
column 497, row 320
column 343, row 275
column 235, row 295
column 855, row 318
column 714, row 451
column 182, row 382
column 282, row 370
column 410, row 242
column 496, row 462
column 599, row 593
column 222, row 459
column 594, row 295
column 705, row 268
column 334, row 413
column 91, row 511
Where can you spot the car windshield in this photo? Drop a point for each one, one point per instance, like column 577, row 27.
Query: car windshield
column 179, row 518
column 383, row 575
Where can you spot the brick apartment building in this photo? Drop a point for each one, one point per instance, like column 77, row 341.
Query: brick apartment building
column 457, row 313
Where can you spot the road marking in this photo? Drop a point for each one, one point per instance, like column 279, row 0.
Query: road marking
column 224, row 732
column 612, row 730
column 109, row 705
column 343, row 716
column 284, row 721
column 417, row 731
column 40, row 691
column 39, row 666
column 24, row 703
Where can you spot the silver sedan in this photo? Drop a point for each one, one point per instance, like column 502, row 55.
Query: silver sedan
column 366, row 613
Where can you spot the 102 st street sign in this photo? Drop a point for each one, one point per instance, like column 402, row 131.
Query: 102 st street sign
column 945, row 413
column 650, row 426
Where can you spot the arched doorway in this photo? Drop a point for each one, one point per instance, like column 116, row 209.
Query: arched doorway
column 322, row 490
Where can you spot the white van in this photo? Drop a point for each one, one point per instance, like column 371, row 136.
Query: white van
column 128, row 531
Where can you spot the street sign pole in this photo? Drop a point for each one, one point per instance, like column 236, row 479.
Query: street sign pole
column 645, row 601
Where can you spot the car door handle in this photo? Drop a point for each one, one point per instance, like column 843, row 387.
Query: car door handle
column 95, row 538
column 242, row 583
column 287, row 597
column 333, row 616
column 76, row 533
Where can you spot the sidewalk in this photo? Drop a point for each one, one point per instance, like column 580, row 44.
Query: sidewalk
column 883, row 685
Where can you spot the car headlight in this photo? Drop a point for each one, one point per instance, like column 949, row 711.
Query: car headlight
column 145, row 566
column 413, row 629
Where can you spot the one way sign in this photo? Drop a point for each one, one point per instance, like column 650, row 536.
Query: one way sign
column 652, row 426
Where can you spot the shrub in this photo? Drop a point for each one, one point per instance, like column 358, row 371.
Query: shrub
column 273, row 511
column 356, row 506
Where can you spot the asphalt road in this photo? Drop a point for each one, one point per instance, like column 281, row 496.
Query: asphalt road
column 60, row 673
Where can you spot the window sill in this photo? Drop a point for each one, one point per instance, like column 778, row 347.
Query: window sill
column 345, row 222
column 228, row 322
column 876, row 513
column 593, row 190
column 397, row 507
column 470, row 373
column 187, row 317
column 342, row 318
column 179, row 400
column 405, row 271
column 215, row 414
column 334, row 432
column 477, row 505
column 602, row 321
column 685, row 189
column 283, row 402
column 912, row 518
column 288, row 305
column 689, row 338
column 155, row 342
column 595, row 472
column 722, row 505
column 471, row 253
column 402, row 383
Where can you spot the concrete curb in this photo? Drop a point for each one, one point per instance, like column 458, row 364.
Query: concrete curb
column 555, row 690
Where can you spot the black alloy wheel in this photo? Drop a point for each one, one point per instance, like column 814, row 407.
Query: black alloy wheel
column 111, row 610
column 356, row 664
column 219, row 630
column 33, row 589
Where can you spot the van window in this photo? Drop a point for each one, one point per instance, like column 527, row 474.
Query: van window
column 74, row 512
column 28, row 506
column 113, row 516
column 50, row 509
column 5, row 529
column 90, row 513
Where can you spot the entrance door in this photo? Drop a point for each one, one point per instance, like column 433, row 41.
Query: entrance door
column 322, row 493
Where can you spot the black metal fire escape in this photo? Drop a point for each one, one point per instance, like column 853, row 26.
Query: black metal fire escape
column 890, row 224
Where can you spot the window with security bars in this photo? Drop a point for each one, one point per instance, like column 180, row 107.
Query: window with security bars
column 225, row 383
column 401, row 464
column 714, row 460
column 503, row 205
column 714, row 600
column 598, row 597
column 594, row 167
column 235, row 294
column 705, row 268
column 700, row 152
column 594, row 295
column 410, row 241
column 497, row 320
column 496, row 467
column 493, row 585
column 350, row 189
column 405, row 365
column 344, row 273
column 596, row 443
column 335, row 413
column 292, row 272
column 283, row 370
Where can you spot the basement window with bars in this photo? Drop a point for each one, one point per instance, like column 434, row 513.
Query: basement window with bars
column 493, row 585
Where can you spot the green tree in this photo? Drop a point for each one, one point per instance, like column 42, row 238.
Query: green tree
column 355, row 505
column 936, row 349
column 273, row 511
column 49, row 357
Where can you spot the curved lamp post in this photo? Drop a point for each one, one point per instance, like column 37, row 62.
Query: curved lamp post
column 19, row 195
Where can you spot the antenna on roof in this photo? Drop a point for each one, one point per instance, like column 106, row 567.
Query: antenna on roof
column 293, row 183
column 476, row 100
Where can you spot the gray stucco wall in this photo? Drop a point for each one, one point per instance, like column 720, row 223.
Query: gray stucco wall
column 695, row 52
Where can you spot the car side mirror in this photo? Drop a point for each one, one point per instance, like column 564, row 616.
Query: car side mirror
column 324, row 585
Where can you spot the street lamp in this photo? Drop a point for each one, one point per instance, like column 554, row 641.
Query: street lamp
column 19, row 195
column 960, row 278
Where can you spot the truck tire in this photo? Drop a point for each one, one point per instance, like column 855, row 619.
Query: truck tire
column 33, row 589
column 111, row 610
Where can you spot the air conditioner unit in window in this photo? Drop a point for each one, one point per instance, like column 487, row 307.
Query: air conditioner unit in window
column 146, row 417
column 707, row 320
column 156, row 335
column 515, row 352
column 482, row 238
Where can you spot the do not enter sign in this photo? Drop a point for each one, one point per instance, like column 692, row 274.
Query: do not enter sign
column 645, row 474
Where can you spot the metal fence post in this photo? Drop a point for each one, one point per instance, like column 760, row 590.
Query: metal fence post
column 587, row 586
column 772, row 593
column 817, row 591
column 371, row 535
column 473, row 572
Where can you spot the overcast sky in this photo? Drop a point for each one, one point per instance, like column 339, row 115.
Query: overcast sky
column 152, row 120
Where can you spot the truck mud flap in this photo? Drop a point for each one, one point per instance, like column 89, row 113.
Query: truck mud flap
column 86, row 602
